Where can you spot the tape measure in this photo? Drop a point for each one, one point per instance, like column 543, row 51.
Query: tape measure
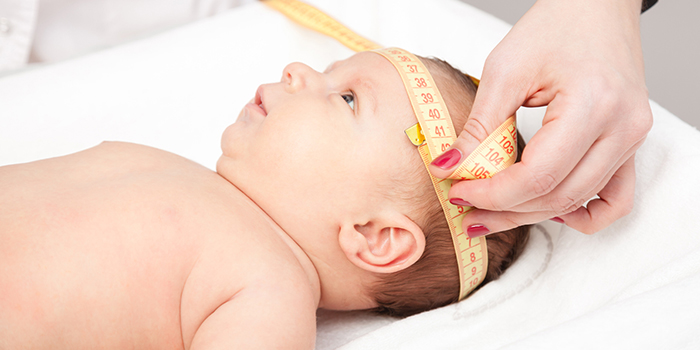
column 433, row 134
column 313, row 18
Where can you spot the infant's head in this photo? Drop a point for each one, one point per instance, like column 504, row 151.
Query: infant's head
column 326, row 157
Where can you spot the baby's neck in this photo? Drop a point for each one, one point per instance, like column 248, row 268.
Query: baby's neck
column 299, row 253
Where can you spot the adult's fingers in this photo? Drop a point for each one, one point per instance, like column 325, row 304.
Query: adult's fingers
column 551, row 155
column 591, row 175
column 615, row 200
column 497, row 98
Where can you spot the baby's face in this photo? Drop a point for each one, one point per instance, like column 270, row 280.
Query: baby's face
column 317, row 143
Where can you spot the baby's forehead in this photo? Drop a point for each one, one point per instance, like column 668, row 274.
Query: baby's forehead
column 359, row 60
column 332, row 66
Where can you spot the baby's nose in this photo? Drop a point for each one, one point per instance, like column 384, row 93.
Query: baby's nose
column 297, row 76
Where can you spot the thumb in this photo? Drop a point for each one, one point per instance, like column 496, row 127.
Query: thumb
column 494, row 103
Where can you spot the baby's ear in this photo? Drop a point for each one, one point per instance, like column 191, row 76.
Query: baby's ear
column 385, row 245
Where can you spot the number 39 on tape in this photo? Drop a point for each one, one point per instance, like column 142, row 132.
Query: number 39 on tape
column 427, row 102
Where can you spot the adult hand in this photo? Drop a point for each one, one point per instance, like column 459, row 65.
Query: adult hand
column 583, row 59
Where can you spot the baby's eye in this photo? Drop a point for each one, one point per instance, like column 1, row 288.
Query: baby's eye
column 350, row 99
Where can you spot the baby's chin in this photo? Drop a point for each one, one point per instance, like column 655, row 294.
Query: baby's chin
column 230, row 141
column 225, row 167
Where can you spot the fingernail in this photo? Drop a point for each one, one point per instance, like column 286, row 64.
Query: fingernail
column 460, row 202
column 477, row 230
column 557, row 219
column 448, row 159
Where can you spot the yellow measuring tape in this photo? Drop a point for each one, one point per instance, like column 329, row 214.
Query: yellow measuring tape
column 433, row 134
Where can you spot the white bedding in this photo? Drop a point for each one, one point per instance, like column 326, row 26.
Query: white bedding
column 634, row 285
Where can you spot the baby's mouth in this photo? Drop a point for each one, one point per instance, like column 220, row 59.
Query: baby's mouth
column 259, row 101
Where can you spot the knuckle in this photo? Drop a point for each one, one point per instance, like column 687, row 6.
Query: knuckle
column 639, row 118
column 475, row 128
column 566, row 204
column 631, row 103
column 497, row 63
column 643, row 123
column 603, row 90
column 608, row 103
column 511, row 222
column 494, row 202
column 610, row 96
column 560, row 204
column 543, row 183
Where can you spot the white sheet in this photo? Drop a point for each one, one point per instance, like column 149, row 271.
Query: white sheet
column 633, row 285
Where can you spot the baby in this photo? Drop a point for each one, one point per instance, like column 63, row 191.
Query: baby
column 319, row 201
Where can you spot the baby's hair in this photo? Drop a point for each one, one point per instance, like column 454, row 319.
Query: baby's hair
column 433, row 280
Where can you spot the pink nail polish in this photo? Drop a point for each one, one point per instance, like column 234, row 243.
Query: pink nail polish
column 448, row 159
column 557, row 219
column 477, row 230
column 460, row 202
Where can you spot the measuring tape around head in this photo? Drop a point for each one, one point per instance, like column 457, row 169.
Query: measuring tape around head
column 433, row 134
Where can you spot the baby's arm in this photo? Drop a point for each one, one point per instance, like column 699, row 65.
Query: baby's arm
column 255, row 319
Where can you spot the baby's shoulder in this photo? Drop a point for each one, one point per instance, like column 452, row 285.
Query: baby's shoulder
column 126, row 154
column 264, row 292
column 260, row 319
column 107, row 157
column 273, row 307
